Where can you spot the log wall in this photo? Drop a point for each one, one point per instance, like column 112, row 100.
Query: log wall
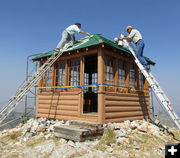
column 120, row 107
column 60, row 105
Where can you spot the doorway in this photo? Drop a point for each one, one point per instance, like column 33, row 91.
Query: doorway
column 90, row 85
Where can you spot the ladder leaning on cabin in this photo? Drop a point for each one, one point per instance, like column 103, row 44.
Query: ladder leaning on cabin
column 155, row 86
column 25, row 88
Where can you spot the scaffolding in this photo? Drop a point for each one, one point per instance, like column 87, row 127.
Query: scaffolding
column 30, row 98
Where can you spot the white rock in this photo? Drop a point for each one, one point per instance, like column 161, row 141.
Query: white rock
column 143, row 127
column 67, row 123
column 45, row 148
column 116, row 126
column 96, row 154
column 35, row 126
column 50, row 128
column 110, row 150
column 137, row 155
column 127, row 123
column 63, row 141
column 71, row 143
column 122, row 153
column 121, row 133
column 123, row 141
column 64, row 151
column 48, row 136
column 134, row 124
column 110, row 125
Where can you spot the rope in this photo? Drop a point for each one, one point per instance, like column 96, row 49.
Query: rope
column 92, row 85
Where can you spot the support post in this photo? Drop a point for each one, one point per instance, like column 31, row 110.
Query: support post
column 101, row 105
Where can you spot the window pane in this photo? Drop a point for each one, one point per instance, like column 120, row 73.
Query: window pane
column 109, row 70
column 121, row 73
column 74, row 72
column 60, row 73
column 47, row 78
column 131, row 76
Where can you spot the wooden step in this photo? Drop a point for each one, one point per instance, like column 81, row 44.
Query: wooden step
column 76, row 133
column 86, row 124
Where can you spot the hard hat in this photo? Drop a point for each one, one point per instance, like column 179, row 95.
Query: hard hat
column 128, row 27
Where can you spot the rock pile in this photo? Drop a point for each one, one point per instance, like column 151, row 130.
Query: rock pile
column 34, row 127
column 36, row 138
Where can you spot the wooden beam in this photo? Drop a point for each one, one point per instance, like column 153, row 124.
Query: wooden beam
column 119, row 56
column 136, row 77
column 59, row 107
column 125, row 109
column 130, row 98
column 53, row 75
column 126, row 74
column 78, row 55
column 125, row 118
column 57, row 112
column 125, row 94
column 101, row 107
column 116, row 73
column 126, row 114
column 81, row 95
column 59, row 102
column 125, row 103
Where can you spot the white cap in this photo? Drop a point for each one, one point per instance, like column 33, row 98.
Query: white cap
column 116, row 39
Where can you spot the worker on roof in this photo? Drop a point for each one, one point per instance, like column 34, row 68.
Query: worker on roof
column 135, row 36
column 69, row 35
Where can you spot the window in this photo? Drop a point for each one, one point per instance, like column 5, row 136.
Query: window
column 60, row 74
column 109, row 72
column 94, row 81
column 131, row 76
column 141, row 80
column 86, row 81
column 121, row 73
column 47, row 78
column 74, row 73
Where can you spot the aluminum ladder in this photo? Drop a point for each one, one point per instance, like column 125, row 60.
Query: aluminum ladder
column 25, row 88
column 155, row 86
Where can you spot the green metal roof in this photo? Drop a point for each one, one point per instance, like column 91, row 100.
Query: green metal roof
column 87, row 41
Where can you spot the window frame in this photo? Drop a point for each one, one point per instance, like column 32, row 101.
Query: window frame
column 109, row 70
column 132, row 76
column 47, row 78
column 121, row 78
column 60, row 73
column 74, row 76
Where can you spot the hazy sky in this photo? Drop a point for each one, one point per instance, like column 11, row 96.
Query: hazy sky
column 33, row 26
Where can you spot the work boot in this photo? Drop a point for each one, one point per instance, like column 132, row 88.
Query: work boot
column 56, row 49
column 147, row 68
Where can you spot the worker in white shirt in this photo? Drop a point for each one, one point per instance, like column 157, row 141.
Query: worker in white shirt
column 69, row 34
column 135, row 36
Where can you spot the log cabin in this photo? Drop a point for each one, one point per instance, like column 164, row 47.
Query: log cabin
column 93, row 80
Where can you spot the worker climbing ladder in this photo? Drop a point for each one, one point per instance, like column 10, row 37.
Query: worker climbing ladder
column 155, row 86
column 25, row 88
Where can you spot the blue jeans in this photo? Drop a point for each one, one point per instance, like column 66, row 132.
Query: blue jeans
column 66, row 37
column 140, row 47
